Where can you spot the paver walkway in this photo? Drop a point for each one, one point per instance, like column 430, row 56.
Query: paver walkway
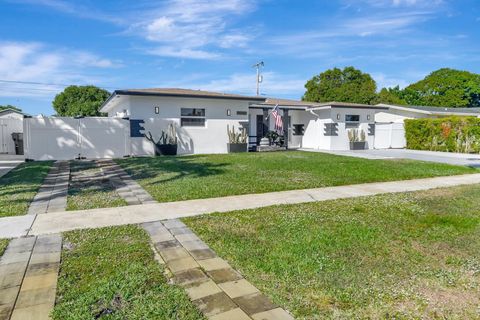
column 96, row 218
column 126, row 187
column 52, row 195
column 28, row 277
column 219, row 291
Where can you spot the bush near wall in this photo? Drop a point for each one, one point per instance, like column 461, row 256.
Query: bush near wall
column 452, row 134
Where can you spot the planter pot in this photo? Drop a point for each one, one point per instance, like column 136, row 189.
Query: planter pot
column 358, row 145
column 165, row 149
column 236, row 147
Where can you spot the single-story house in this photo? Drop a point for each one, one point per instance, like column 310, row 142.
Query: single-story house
column 201, row 118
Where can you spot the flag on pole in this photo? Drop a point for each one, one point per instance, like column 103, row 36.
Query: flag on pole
column 278, row 119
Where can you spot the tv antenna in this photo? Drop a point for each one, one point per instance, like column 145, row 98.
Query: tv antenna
column 258, row 66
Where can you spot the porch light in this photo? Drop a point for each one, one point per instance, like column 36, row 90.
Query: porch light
column 157, row 110
column 368, row 117
column 338, row 116
column 229, row 112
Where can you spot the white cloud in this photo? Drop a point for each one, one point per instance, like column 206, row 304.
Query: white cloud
column 36, row 62
column 384, row 81
column 179, row 27
column 273, row 84
column 399, row 3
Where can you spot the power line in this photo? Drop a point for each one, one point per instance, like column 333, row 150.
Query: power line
column 44, row 83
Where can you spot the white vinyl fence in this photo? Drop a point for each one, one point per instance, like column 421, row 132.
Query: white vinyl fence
column 390, row 136
column 7, row 127
column 63, row 138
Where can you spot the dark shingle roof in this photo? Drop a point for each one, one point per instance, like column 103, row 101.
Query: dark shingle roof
column 177, row 92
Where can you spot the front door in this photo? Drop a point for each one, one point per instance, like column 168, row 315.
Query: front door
column 260, row 128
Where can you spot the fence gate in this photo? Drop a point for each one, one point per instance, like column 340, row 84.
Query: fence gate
column 390, row 136
column 7, row 127
column 63, row 138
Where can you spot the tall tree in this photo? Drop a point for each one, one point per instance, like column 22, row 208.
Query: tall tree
column 80, row 101
column 9, row 106
column 445, row 88
column 390, row 96
column 347, row 85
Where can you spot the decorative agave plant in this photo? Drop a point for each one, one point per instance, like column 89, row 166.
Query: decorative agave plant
column 356, row 135
column 237, row 137
column 169, row 137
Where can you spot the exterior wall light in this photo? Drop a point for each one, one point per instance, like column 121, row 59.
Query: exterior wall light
column 338, row 116
column 229, row 112
column 368, row 117
column 157, row 110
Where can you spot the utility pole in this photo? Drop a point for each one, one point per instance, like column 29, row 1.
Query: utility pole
column 258, row 65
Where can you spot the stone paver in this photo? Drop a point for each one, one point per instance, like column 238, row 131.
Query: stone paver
column 52, row 195
column 28, row 277
column 97, row 218
column 125, row 186
column 218, row 290
column 13, row 265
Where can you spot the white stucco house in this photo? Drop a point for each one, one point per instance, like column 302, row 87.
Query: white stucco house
column 201, row 118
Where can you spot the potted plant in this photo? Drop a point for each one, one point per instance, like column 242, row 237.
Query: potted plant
column 167, row 143
column 237, row 141
column 357, row 139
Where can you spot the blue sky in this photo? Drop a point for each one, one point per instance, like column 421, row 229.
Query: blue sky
column 212, row 45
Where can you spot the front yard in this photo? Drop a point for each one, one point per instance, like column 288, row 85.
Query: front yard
column 206, row 176
column 111, row 273
column 89, row 189
column 395, row 256
column 19, row 186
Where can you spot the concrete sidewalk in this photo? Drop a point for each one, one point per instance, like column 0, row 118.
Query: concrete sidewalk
column 64, row 221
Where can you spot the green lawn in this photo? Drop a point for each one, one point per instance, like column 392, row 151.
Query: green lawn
column 85, row 193
column 19, row 186
column 3, row 245
column 206, row 176
column 395, row 256
column 111, row 273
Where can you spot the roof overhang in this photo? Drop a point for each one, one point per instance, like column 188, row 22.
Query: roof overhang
column 328, row 107
column 118, row 93
column 440, row 112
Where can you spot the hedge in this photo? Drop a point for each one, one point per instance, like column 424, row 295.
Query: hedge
column 452, row 134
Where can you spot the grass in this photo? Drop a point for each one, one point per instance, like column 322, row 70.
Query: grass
column 111, row 273
column 19, row 186
column 86, row 192
column 3, row 245
column 206, row 176
column 396, row 256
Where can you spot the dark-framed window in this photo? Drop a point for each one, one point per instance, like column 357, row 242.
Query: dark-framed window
column 352, row 118
column 192, row 117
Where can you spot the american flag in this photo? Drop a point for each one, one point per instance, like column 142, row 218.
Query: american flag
column 278, row 119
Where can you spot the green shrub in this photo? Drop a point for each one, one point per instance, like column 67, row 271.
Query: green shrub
column 452, row 134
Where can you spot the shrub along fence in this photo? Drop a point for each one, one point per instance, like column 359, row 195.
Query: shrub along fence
column 452, row 134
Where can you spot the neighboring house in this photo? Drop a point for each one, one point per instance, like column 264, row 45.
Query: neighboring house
column 11, row 121
column 11, row 114
column 397, row 113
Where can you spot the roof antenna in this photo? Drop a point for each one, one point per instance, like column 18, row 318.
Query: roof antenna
column 259, row 65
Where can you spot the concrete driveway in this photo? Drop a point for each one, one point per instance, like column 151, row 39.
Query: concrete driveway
column 8, row 162
column 461, row 159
